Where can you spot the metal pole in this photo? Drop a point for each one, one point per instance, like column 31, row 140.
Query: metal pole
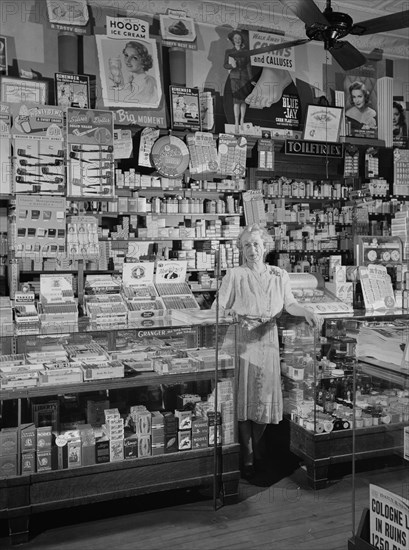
column 216, row 380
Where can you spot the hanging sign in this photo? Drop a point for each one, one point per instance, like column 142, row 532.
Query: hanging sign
column 313, row 148
column 170, row 156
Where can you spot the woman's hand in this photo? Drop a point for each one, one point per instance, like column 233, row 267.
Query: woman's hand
column 312, row 319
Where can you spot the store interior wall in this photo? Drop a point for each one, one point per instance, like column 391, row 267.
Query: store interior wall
column 33, row 45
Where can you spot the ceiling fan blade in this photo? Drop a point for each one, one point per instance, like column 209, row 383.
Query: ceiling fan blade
column 306, row 10
column 272, row 48
column 385, row 23
column 347, row 55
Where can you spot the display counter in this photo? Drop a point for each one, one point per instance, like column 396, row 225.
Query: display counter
column 320, row 395
column 103, row 414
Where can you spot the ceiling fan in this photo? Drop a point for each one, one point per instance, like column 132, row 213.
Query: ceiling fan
column 329, row 27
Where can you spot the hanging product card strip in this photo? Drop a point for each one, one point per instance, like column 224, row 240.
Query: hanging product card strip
column 90, row 136
column 38, row 149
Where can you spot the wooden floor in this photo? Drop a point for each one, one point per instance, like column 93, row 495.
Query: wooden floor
column 285, row 515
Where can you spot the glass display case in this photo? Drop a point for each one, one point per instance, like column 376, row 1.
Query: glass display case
column 104, row 413
column 380, row 510
column 325, row 375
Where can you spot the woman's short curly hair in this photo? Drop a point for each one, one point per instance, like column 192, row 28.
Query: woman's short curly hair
column 254, row 228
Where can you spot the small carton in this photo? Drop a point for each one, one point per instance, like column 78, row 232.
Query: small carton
column 74, row 453
column 116, row 450
column 144, row 445
column 28, row 433
column 130, row 447
column 184, row 440
column 8, row 441
column 44, row 438
column 102, row 450
column 28, row 464
column 8, row 465
column 44, row 461
column 184, row 420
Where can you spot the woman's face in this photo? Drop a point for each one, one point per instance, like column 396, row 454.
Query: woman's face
column 237, row 41
column 358, row 98
column 253, row 248
column 395, row 117
column 133, row 60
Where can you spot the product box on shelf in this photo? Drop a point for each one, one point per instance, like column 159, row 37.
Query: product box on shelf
column 8, row 465
column 43, row 438
column 130, row 446
column 139, row 291
column 28, row 463
column 8, row 441
column 44, row 461
column 170, row 282
column 58, row 305
column 102, row 454
column 25, row 313
column 100, row 371
column 28, row 437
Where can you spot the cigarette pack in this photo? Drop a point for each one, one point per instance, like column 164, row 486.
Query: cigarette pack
column 184, row 420
column 116, row 450
column 184, row 440
column 130, row 447
column 144, row 445
column 74, row 453
column 102, row 450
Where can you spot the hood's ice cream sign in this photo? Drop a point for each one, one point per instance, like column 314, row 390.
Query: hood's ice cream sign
column 278, row 59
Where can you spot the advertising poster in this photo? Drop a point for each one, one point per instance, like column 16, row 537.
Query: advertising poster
column 177, row 30
column 400, row 114
column 261, row 88
column 389, row 519
column 360, row 100
column 185, row 107
column 130, row 73
column 72, row 90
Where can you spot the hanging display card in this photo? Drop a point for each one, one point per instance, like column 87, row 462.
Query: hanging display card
column 184, row 107
column 401, row 172
column 90, row 141
column 388, row 519
column 177, row 30
column 148, row 138
column 72, row 90
column 203, row 153
column 376, row 287
column 38, row 149
column 5, row 149
column 40, row 226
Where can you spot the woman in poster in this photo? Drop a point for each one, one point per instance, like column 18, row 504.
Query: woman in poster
column 400, row 128
column 141, row 86
column 240, row 77
column 360, row 115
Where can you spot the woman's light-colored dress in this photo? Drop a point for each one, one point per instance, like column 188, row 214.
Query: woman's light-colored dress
column 259, row 376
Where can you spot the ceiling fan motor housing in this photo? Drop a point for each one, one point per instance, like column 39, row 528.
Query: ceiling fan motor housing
column 340, row 25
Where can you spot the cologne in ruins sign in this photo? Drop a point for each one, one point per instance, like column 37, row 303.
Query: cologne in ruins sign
column 389, row 519
column 313, row 148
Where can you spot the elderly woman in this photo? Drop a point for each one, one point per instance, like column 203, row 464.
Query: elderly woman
column 256, row 293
